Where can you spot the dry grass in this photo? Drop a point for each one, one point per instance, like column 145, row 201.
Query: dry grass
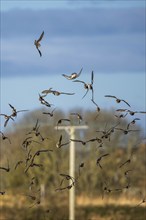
column 16, row 207
column 121, row 200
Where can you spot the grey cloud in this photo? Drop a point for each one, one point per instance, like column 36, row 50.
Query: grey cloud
column 78, row 22
column 106, row 40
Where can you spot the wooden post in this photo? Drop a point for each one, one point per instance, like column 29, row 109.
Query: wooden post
column 71, row 131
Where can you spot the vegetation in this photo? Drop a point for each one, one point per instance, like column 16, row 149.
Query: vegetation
column 121, row 174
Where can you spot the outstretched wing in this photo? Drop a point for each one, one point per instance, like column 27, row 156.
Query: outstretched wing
column 126, row 102
column 92, row 77
column 66, row 93
column 110, row 96
column 39, row 52
column 80, row 72
column 85, row 93
column 12, row 107
column 79, row 81
column 67, row 77
column 40, row 38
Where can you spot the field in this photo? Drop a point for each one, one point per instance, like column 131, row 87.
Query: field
column 16, row 208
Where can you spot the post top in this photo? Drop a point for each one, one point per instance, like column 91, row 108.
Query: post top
column 66, row 127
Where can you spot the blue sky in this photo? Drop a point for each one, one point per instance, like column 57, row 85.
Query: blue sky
column 105, row 36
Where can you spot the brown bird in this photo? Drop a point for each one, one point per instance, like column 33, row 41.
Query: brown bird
column 61, row 120
column 126, row 173
column 37, row 43
column 6, row 169
column 126, row 131
column 117, row 99
column 35, row 128
column 73, row 75
column 54, row 92
column 132, row 122
column 63, row 188
column 18, row 163
column 28, row 141
column 59, row 143
column 7, row 117
column 97, row 107
column 121, row 115
column 99, row 159
column 43, row 101
column 88, row 86
column 14, row 111
column 81, row 165
column 127, row 161
column 130, row 112
column 4, row 137
column 85, row 142
column 142, row 201
column 49, row 113
column 37, row 153
column 79, row 117
column 68, row 178
column 107, row 134
column 79, row 141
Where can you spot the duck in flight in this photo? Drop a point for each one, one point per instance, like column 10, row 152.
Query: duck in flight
column 117, row 99
column 54, row 92
column 37, row 43
column 73, row 75
column 87, row 86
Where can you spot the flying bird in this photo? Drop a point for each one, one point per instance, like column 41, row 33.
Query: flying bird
column 81, row 165
column 99, row 159
column 2, row 193
column 7, row 169
column 14, row 111
column 59, row 143
column 18, row 163
column 49, row 113
column 60, row 121
column 79, row 117
column 44, row 102
column 127, row 162
column 55, row 92
column 7, row 117
column 73, row 75
column 37, row 43
column 88, row 86
column 117, row 99
column 97, row 107
column 5, row 137
column 126, row 131
column 130, row 112
column 132, row 122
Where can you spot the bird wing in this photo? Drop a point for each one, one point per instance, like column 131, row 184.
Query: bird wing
column 40, row 38
column 67, row 77
column 125, row 102
column 111, row 96
column 79, row 81
column 12, row 107
column 85, row 93
column 80, row 72
column 66, row 93
column 5, row 124
column 22, row 111
column 47, row 91
column 39, row 52
column 122, row 110
column 92, row 77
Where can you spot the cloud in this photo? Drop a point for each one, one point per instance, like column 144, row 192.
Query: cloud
column 108, row 40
